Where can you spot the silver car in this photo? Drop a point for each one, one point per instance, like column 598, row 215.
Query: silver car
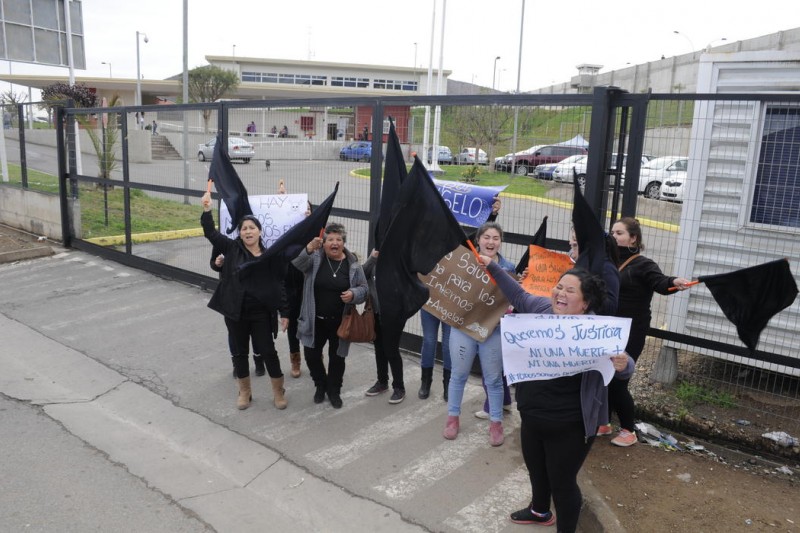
column 238, row 148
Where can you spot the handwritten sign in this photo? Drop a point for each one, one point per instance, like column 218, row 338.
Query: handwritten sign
column 545, row 268
column 277, row 213
column 463, row 296
column 539, row 347
column 470, row 204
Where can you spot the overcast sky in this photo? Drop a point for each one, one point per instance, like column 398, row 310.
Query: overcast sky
column 557, row 35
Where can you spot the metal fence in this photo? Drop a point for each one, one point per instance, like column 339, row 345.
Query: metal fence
column 724, row 166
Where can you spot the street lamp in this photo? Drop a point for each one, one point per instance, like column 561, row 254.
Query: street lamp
column 676, row 32
column 710, row 45
column 138, row 72
column 109, row 67
column 494, row 71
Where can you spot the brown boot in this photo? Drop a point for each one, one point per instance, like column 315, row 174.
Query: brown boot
column 296, row 360
column 278, row 392
column 245, row 394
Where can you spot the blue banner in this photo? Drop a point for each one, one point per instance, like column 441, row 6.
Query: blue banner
column 470, row 204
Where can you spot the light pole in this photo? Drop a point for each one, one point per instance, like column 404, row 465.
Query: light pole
column 710, row 45
column 494, row 71
column 138, row 72
column 109, row 67
column 676, row 32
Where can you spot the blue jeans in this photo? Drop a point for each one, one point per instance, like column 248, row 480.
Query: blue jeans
column 430, row 336
column 463, row 349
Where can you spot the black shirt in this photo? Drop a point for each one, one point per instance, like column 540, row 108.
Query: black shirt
column 328, row 288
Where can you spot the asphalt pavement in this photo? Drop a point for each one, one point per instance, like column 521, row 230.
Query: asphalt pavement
column 118, row 413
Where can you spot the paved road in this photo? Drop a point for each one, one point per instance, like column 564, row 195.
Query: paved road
column 117, row 386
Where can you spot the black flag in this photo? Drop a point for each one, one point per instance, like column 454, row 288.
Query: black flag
column 394, row 174
column 286, row 248
column 589, row 234
column 539, row 239
column 750, row 297
column 423, row 230
column 228, row 185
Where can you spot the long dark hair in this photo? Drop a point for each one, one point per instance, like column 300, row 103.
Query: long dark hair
column 634, row 229
column 592, row 287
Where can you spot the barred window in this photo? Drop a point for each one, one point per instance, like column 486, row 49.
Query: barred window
column 343, row 81
column 776, row 198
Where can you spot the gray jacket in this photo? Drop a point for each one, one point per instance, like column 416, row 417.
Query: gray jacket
column 309, row 265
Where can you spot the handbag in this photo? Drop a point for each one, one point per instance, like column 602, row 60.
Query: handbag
column 358, row 327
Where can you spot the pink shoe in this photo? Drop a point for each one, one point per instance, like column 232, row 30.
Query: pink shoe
column 624, row 438
column 496, row 437
column 605, row 430
column 451, row 428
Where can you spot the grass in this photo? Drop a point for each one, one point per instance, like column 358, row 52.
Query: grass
column 525, row 186
column 691, row 394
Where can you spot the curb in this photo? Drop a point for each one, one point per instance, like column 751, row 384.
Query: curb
column 596, row 515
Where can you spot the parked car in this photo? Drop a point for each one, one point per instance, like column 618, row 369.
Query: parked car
column 563, row 171
column 356, row 151
column 545, row 171
column 525, row 162
column 467, row 157
column 238, row 148
column 445, row 155
column 672, row 189
column 656, row 171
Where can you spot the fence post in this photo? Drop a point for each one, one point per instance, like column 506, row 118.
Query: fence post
column 666, row 368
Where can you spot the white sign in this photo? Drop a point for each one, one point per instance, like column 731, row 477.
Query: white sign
column 276, row 212
column 538, row 347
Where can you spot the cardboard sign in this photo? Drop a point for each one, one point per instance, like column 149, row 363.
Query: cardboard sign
column 538, row 347
column 463, row 296
column 545, row 268
column 278, row 213
column 470, row 204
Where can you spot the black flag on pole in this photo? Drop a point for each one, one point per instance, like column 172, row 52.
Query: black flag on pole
column 422, row 231
column 751, row 296
column 589, row 234
column 539, row 239
column 228, row 185
column 394, row 174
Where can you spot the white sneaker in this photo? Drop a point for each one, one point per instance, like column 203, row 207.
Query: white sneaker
column 483, row 415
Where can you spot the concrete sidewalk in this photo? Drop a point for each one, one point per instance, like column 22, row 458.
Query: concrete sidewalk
column 117, row 398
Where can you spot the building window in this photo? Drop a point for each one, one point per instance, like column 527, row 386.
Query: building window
column 776, row 197
column 307, row 123
column 395, row 85
column 342, row 81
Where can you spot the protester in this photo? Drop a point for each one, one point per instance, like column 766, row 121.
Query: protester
column 387, row 344
column 559, row 416
column 463, row 349
column 640, row 277
column 430, row 336
column 333, row 279
column 216, row 262
column 247, row 304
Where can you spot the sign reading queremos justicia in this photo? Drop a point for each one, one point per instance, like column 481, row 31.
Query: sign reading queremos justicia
column 463, row 295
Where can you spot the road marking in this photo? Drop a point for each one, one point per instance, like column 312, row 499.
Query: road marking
column 386, row 430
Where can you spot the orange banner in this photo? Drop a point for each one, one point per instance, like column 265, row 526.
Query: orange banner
column 545, row 268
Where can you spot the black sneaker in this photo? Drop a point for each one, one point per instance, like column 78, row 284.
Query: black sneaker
column 319, row 395
column 528, row 516
column 397, row 396
column 335, row 399
column 378, row 388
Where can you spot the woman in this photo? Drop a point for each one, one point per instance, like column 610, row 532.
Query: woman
column 333, row 280
column 387, row 343
column 248, row 304
column 640, row 277
column 463, row 349
column 559, row 416
column 294, row 294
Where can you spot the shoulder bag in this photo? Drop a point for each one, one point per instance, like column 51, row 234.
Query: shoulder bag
column 358, row 327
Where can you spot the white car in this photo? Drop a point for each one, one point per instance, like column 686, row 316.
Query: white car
column 467, row 157
column 238, row 148
column 672, row 188
column 659, row 170
column 563, row 172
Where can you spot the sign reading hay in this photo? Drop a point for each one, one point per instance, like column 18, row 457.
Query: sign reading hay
column 277, row 213
column 463, row 295
column 545, row 268
column 538, row 347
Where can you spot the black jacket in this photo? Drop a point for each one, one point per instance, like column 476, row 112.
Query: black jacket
column 638, row 281
column 229, row 294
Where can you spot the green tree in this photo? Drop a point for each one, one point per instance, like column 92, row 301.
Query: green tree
column 209, row 84
column 9, row 100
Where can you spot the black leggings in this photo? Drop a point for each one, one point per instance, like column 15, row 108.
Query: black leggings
column 295, row 298
column 619, row 397
column 387, row 353
column 325, row 332
column 254, row 323
column 554, row 453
